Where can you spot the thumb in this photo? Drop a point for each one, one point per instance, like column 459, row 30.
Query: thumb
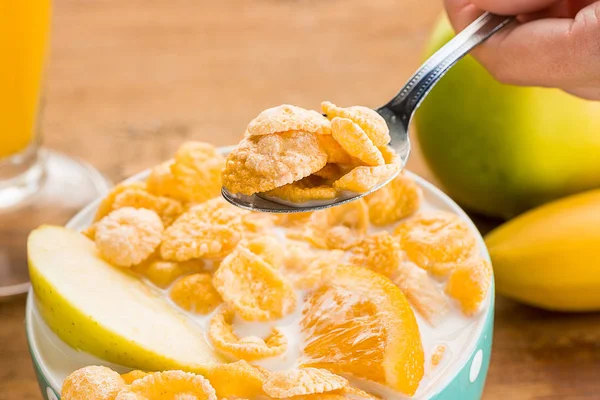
column 555, row 52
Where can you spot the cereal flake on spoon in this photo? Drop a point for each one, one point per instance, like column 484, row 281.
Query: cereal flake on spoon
column 296, row 155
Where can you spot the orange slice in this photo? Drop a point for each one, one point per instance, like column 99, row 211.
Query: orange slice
column 469, row 283
column 361, row 324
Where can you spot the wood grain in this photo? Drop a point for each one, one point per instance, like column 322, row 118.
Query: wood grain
column 128, row 80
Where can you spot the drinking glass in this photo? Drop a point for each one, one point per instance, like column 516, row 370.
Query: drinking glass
column 36, row 185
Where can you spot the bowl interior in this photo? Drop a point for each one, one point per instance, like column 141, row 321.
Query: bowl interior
column 55, row 360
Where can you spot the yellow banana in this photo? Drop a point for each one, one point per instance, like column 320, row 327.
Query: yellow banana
column 549, row 257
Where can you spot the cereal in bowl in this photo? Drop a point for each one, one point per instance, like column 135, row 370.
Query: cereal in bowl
column 297, row 306
column 169, row 385
column 196, row 293
column 249, row 348
column 237, row 380
column 92, row 383
column 128, row 236
column 253, row 288
column 302, row 382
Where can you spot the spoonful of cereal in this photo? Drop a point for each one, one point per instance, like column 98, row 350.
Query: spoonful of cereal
column 297, row 160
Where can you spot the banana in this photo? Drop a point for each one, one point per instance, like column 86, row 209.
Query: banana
column 549, row 257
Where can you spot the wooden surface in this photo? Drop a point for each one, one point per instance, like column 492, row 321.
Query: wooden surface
column 129, row 80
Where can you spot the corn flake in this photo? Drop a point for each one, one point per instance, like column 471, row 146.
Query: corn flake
column 355, row 141
column 237, row 380
column 197, row 171
column 106, row 205
column 301, row 382
column 398, row 199
column 167, row 209
column 256, row 222
column 285, row 118
column 248, row 348
column 252, row 287
column 169, row 385
column 436, row 241
column 262, row 163
column 389, row 155
column 128, row 236
column 162, row 273
column 336, row 227
column 362, row 179
column 379, row 252
column 335, row 153
column 193, row 176
column 307, row 189
column 369, row 120
column 293, row 220
column 162, row 182
column 133, row 376
column 268, row 248
column 209, row 230
column 195, row 293
column 332, row 172
column 353, row 392
column 216, row 211
column 92, row 383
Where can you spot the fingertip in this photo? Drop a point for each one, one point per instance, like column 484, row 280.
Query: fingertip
column 513, row 7
column 461, row 13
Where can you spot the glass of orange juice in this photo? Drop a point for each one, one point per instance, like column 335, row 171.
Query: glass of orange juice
column 36, row 185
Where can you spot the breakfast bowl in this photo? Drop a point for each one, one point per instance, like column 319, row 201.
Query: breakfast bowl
column 459, row 374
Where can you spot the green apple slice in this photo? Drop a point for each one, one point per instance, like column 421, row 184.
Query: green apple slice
column 102, row 310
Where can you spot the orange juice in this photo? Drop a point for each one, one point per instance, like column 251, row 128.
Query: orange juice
column 24, row 30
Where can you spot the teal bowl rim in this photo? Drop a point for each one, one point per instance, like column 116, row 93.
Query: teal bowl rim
column 485, row 329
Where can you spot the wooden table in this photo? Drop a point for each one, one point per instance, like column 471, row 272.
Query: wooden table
column 129, row 80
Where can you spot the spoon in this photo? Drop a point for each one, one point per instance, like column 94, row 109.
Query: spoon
column 397, row 113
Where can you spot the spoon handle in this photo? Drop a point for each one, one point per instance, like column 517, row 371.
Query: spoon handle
column 409, row 98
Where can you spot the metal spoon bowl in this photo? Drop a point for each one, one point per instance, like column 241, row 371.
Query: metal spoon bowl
column 397, row 113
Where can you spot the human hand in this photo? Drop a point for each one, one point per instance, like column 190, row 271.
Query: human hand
column 553, row 43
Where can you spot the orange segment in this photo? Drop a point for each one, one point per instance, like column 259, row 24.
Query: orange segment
column 469, row 284
column 369, row 323
column 398, row 199
column 421, row 291
column 436, row 241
